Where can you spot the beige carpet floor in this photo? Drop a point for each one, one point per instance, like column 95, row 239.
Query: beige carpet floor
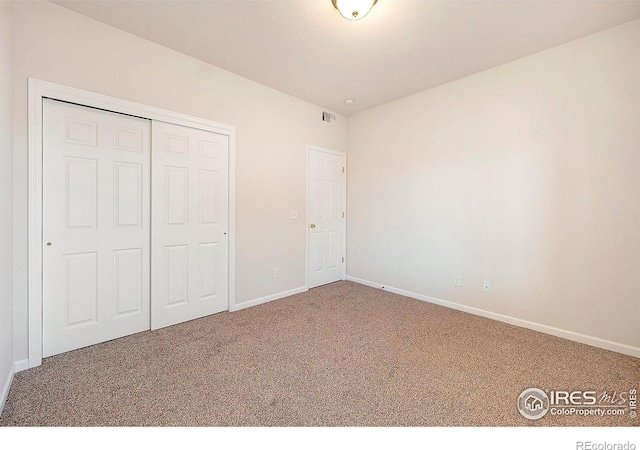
column 338, row 355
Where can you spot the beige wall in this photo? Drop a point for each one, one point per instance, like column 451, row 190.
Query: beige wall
column 273, row 129
column 6, row 196
column 527, row 175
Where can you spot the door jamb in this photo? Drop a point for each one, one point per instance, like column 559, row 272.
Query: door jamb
column 344, row 203
column 38, row 90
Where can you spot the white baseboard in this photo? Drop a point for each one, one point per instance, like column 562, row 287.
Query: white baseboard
column 6, row 385
column 565, row 334
column 21, row 365
column 269, row 298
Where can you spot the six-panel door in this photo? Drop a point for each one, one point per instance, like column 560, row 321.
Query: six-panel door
column 96, row 225
column 109, row 268
column 189, row 224
column 326, row 217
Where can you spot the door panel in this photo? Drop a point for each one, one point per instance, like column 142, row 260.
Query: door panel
column 96, row 217
column 129, row 281
column 80, row 288
column 326, row 217
column 190, row 224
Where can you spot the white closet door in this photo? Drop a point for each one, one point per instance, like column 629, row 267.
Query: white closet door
column 189, row 224
column 96, row 226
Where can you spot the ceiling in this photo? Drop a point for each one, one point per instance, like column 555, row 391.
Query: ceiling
column 306, row 49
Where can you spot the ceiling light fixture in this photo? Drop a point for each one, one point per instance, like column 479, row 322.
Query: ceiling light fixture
column 354, row 9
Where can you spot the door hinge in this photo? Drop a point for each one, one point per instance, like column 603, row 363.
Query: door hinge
column 343, row 170
column 343, row 259
column 343, row 214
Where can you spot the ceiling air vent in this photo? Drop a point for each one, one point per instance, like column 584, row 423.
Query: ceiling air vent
column 328, row 117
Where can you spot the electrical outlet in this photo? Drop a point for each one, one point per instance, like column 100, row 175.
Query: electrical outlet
column 457, row 281
column 293, row 214
column 486, row 286
column 276, row 273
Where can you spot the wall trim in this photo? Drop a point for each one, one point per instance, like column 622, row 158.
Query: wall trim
column 21, row 365
column 268, row 298
column 4, row 392
column 38, row 90
column 558, row 332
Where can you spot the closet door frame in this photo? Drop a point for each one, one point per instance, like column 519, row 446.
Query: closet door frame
column 38, row 90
